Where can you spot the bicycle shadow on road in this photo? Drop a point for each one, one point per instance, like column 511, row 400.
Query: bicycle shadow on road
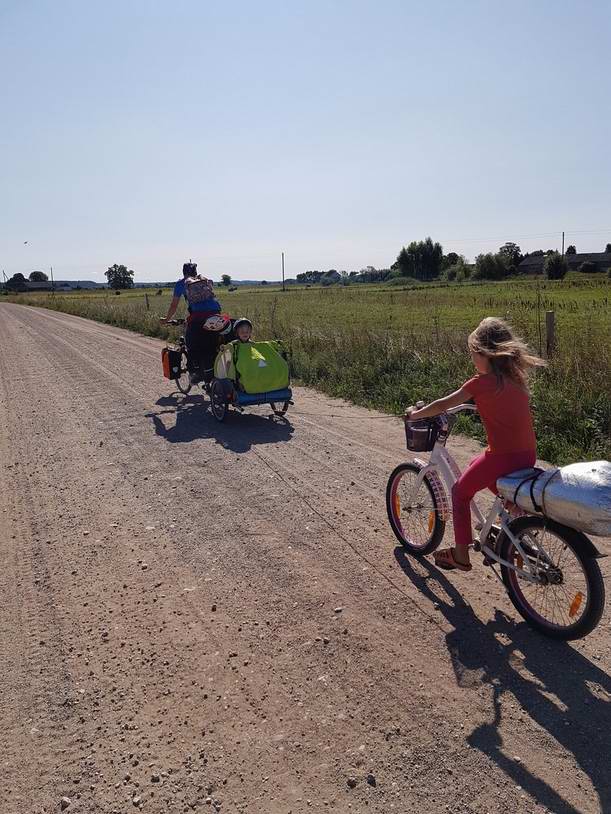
column 560, row 689
column 193, row 421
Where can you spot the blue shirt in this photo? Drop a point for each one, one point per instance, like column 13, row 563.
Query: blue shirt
column 212, row 305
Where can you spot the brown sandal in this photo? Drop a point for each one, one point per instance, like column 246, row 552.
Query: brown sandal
column 446, row 560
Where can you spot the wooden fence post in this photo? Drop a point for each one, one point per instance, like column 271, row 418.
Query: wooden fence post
column 146, row 298
column 550, row 332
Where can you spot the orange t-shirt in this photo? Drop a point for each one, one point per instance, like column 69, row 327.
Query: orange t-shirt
column 505, row 413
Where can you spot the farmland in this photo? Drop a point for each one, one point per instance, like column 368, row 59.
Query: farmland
column 388, row 347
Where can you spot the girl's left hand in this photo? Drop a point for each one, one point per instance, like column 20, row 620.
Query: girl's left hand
column 409, row 410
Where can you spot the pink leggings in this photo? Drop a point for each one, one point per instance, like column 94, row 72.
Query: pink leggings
column 482, row 472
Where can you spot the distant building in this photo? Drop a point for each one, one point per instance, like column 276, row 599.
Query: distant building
column 533, row 264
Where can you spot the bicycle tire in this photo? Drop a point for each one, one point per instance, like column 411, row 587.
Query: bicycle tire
column 183, row 382
column 218, row 401
column 590, row 569
column 436, row 525
column 279, row 410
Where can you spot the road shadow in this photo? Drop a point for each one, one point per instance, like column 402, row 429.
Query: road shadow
column 193, row 421
column 560, row 689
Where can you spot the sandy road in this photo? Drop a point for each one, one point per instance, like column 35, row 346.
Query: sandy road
column 171, row 635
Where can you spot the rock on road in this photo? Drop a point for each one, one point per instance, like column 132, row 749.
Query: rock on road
column 204, row 617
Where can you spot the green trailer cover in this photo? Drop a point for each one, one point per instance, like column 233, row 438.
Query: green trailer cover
column 260, row 366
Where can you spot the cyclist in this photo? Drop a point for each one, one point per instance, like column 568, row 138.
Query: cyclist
column 202, row 344
column 500, row 391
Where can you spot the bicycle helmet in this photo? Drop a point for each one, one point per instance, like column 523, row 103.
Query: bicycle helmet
column 241, row 321
column 189, row 269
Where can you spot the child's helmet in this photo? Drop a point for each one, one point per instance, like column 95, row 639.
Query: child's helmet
column 189, row 269
column 241, row 321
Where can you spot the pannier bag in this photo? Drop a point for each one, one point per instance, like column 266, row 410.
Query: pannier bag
column 578, row 495
column 260, row 366
column 198, row 289
column 170, row 362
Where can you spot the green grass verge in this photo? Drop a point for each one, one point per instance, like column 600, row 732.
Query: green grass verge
column 386, row 347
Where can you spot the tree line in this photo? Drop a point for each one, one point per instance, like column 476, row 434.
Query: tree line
column 425, row 260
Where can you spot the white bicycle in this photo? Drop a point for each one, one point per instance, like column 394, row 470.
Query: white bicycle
column 549, row 570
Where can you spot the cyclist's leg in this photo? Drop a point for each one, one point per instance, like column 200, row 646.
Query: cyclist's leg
column 194, row 339
column 475, row 478
column 209, row 349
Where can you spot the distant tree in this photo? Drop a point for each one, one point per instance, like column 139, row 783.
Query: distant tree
column 450, row 259
column 608, row 248
column 421, row 259
column 16, row 282
column 119, row 277
column 511, row 253
column 587, row 267
column 555, row 266
column 38, row 277
column 490, row 267
column 226, row 279
column 263, row 282
column 571, row 250
column 459, row 271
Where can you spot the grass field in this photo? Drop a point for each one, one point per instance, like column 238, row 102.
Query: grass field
column 388, row 347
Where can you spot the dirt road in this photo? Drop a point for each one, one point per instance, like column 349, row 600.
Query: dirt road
column 204, row 617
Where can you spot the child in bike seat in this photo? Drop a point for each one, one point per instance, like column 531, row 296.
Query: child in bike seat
column 242, row 329
column 500, row 392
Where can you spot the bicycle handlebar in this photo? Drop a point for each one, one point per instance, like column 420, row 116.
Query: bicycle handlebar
column 462, row 408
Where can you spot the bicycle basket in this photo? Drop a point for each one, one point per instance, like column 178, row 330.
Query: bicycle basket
column 421, row 435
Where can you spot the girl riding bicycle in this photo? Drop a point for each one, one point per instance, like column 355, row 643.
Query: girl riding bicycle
column 500, row 392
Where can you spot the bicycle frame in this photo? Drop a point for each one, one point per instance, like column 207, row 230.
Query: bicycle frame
column 442, row 463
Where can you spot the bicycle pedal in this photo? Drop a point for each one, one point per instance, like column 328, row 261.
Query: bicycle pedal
column 487, row 561
column 477, row 546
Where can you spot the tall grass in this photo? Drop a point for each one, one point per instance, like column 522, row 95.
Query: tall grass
column 387, row 347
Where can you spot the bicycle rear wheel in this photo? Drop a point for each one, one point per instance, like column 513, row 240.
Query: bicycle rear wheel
column 218, row 400
column 568, row 599
column 415, row 517
column 183, row 380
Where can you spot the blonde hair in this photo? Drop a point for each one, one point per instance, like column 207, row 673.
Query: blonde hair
column 508, row 355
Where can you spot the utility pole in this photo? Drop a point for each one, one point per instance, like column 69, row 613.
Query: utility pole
column 563, row 244
column 283, row 272
column 52, row 283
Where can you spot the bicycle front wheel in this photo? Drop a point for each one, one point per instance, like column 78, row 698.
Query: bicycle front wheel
column 567, row 600
column 414, row 516
column 183, row 380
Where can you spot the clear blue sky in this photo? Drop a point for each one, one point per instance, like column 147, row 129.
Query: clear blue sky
column 149, row 132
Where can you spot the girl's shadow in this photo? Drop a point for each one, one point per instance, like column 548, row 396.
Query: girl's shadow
column 512, row 658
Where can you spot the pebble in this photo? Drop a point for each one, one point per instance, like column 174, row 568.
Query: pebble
column 338, row 609
column 351, row 782
column 64, row 803
column 155, row 778
column 371, row 780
